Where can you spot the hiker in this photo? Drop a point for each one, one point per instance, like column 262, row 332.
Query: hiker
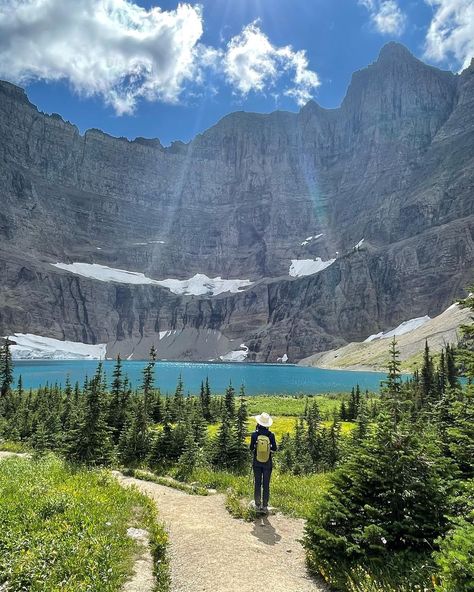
column 262, row 443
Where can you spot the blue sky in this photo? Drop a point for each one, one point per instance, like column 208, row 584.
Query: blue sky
column 159, row 69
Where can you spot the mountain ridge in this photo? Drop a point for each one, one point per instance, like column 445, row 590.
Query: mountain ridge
column 392, row 165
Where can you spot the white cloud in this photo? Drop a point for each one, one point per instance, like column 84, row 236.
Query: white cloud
column 451, row 31
column 122, row 52
column 386, row 16
column 112, row 48
column 252, row 63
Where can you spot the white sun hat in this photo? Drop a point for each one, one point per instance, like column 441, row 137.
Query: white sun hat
column 264, row 420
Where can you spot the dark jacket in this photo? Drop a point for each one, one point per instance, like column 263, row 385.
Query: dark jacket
column 262, row 431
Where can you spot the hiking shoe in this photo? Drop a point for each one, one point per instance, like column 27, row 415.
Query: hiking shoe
column 264, row 510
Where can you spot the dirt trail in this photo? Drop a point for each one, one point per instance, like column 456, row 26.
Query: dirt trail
column 7, row 454
column 212, row 552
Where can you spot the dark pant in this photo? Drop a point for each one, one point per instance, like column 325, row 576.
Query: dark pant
column 262, row 475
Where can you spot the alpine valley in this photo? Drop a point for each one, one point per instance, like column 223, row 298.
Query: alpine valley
column 268, row 236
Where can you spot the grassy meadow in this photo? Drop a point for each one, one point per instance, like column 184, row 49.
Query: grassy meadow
column 67, row 530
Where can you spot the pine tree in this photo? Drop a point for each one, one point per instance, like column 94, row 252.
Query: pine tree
column 427, row 377
column 301, row 457
column 229, row 401
column 225, row 444
column 389, row 495
column 19, row 388
column 189, row 458
column 352, row 408
column 178, row 400
column 343, row 412
column 313, row 440
column 465, row 353
column 241, row 453
column 207, row 401
column 391, row 387
column 451, row 370
column 89, row 441
column 135, row 440
column 6, row 368
column 286, row 456
column 148, row 383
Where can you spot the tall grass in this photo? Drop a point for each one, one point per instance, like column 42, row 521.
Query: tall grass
column 291, row 494
column 65, row 529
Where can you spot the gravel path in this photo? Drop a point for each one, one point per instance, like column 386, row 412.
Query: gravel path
column 7, row 454
column 212, row 552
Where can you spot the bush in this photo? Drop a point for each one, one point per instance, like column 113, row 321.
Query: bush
column 387, row 499
column 455, row 559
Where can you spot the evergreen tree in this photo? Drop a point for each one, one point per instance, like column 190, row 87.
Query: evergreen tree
column 241, row 455
column 225, row 444
column 343, row 412
column 392, row 387
column 302, row 460
column 352, row 408
column 205, row 399
column 229, row 401
column 286, row 457
column 6, row 368
column 313, row 440
column 148, row 383
column 388, row 496
column 135, row 440
column 465, row 353
column 428, row 384
column 189, row 458
column 178, row 400
column 89, row 440
column 451, row 370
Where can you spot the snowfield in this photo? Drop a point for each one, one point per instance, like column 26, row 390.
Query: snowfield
column 239, row 355
column 403, row 328
column 35, row 347
column 198, row 285
column 301, row 267
column 308, row 239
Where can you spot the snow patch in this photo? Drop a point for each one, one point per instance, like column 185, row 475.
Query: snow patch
column 403, row 328
column 197, row 285
column 308, row 239
column 35, row 347
column 239, row 355
column 359, row 244
column 201, row 284
column 163, row 334
column 283, row 359
column 301, row 267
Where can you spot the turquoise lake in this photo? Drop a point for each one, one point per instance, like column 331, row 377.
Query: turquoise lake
column 257, row 378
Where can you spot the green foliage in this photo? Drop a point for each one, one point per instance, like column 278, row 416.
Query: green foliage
column 455, row 558
column 90, row 437
column 6, row 369
column 239, row 507
column 67, row 529
column 190, row 488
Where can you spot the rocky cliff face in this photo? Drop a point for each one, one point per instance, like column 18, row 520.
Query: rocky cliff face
column 393, row 165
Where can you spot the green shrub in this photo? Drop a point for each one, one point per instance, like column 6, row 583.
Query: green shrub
column 387, row 501
column 455, row 559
